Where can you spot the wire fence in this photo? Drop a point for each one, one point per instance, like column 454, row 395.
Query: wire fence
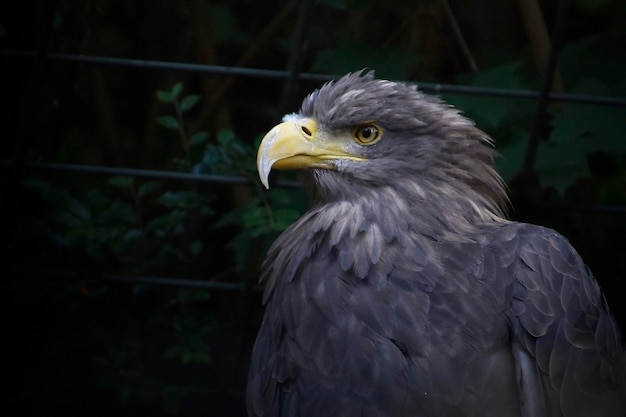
column 542, row 97
column 282, row 75
column 19, row 167
column 239, row 180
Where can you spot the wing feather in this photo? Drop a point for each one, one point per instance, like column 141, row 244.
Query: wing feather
column 574, row 340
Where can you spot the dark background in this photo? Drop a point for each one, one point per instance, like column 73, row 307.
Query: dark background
column 135, row 225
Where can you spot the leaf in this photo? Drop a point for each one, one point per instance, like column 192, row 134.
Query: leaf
column 132, row 235
column 281, row 196
column 232, row 217
column 255, row 216
column 168, row 122
column 159, row 224
column 512, row 154
column 492, row 112
column 579, row 129
column 121, row 181
column 285, row 217
column 50, row 193
column 116, row 213
column 195, row 247
column 164, row 96
column 606, row 125
column 78, row 209
column 593, row 57
column 201, row 295
column 147, row 188
column 240, row 148
column 501, row 76
column 189, row 101
column 261, row 230
column 225, row 137
column 292, row 199
column 177, row 89
column 182, row 199
column 171, row 199
column 205, row 210
column 560, row 165
column 198, row 138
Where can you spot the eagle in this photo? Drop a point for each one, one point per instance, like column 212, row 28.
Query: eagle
column 404, row 290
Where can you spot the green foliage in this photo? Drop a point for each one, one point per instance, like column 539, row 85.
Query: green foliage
column 229, row 155
column 176, row 122
column 198, row 138
column 579, row 130
column 576, row 131
column 192, row 328
column 128, row 226
column 113, row 221
column 169, row 122
column 263, row 217
column 126, row 336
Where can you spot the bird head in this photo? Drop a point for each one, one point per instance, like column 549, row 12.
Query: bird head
column 361, row 133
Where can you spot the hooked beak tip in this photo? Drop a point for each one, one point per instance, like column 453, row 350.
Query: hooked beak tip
column 264, row 161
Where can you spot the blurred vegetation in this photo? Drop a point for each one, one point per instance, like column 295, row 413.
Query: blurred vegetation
column 87, row 340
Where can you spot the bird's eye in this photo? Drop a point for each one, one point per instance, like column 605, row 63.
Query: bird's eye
column 367, row 134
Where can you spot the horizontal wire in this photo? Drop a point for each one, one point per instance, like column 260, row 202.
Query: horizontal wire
column 141, row 173
column 229, row 179
column 279, row 74
column 142, row 279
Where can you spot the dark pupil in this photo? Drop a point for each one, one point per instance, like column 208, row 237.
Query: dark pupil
column 368, row 132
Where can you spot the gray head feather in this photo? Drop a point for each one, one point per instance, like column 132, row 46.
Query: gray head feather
column 428, row 148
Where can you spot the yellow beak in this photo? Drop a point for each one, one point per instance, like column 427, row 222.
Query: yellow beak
column 296, row 144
